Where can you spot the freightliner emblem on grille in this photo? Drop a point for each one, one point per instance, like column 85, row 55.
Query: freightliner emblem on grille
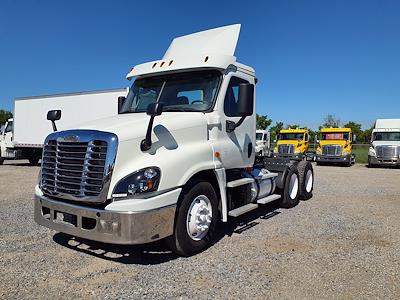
column 70, row 138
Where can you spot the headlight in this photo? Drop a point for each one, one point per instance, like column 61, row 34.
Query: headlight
column 345, row 152
column 297, row 151
column 319, row 151
column 142, row 181
column 276, row 149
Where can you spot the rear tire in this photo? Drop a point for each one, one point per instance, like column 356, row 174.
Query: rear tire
column 2, row 159
column 197, row 210
column 306, row 178
column 290, row 193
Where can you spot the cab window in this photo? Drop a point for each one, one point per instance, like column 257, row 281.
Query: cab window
column 232, row 97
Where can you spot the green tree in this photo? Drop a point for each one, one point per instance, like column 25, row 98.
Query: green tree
column 292, row 126
column 4, row 116
column 275, row 130
column 330, row 121
column 356, row 129
column 263, row 122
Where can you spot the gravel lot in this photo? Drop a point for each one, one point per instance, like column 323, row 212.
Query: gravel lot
column 343, row 243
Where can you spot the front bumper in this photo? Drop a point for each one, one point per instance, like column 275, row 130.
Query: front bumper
column 384, row 161
column 115, row 227
column 292, row 156
column 333, row 159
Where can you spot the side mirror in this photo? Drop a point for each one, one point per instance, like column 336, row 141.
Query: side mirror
column 54, row 115
column 121, row 101
column 155, row 109
column 246, row 99
column 354, row 137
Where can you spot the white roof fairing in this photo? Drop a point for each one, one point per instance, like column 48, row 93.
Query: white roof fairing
column 212, row 48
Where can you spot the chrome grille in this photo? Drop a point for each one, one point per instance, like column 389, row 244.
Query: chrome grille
column 285, row 149
column 387, row 151
column 77, row 165
column 332, row 150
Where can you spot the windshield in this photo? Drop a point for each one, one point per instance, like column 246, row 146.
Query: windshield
column 291, row 136
column 386, row 136
column 338, row 136
column 194, row 91
column 9, row 127
column 259, row 136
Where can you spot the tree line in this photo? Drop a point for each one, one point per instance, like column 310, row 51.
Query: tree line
column 362, row 136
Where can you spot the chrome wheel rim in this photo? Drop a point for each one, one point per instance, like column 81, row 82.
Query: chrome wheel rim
column 309, row 181
column 199, row 218
column 293, row 186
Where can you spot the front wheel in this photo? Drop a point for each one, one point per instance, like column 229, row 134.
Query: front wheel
column 196, row 219
column 2, row 159
column 33, row 161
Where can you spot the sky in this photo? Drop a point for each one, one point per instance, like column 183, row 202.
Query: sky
column 312, row 58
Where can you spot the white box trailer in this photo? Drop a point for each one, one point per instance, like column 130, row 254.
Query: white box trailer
column 30, row 125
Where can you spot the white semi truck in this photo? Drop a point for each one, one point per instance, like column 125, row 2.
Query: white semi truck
column 385, row 143
column 177, row 161
column 23, row 136
column 263, row 142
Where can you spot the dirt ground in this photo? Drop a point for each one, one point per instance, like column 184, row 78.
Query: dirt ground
column 343, row 243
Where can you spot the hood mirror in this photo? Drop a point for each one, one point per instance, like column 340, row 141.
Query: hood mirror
column 53, row 116
column 154, row 109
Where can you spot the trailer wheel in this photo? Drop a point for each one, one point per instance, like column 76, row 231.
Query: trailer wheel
column 290, row 193
column 2, row 159
column 196, row 219
column 306, row 177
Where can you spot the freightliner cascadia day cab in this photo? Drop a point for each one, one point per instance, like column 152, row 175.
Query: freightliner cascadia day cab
column 292, row 143
column 176, row 161
column 385, row 143
column 335, row 146
column 263, row 142
column 23, row 138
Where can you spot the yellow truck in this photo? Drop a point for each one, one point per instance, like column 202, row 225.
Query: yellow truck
column 292, row 143
column 335, row 146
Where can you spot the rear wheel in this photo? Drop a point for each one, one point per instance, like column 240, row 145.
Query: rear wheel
column 2, row 159
column 196, row 219
column 306, row 178
column 290, row 193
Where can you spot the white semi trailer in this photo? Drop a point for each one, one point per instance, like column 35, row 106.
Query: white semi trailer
column 177, row 161
column 385, row 143
column 23, row 136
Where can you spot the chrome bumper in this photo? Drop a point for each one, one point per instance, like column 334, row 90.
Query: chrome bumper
column 333, row 159
column 104, row 225
column 384, row 161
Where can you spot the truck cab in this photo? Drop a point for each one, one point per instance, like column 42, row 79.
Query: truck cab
column 6, row 140
column 263, row 142
column 292, row 143
column 385, row 143
column 335, row 146
column 177, row 160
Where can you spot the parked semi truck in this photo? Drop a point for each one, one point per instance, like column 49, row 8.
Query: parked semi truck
column 177, row 161
column 292, row 143
column 263, row 142
column 24, row 135
column 385, row 143
column 335, row 146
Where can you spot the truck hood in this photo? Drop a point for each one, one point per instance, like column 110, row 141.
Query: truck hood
column 385, row 143
column 134, row 125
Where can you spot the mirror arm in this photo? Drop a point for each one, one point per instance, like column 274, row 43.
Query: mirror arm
column 54, row 125
column 231, row 126
column 146, row 143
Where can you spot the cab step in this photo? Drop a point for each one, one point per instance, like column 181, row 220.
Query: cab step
column 268, row 199
column 239, row 182
column 242, row 210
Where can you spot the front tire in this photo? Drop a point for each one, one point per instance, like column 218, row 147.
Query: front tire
column 196, row 219
column 33, row 161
